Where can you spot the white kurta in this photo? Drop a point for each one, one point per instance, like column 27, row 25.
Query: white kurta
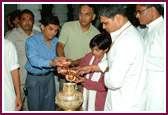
column 10, row 64
column 126, row 78
column 155, row 47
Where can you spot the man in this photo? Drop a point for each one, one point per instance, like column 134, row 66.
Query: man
column 41, row 54
column 150, row 14
column 18, row 37
column 126, row 76
column 75, row 36
column 12, row 95
column 15, row 18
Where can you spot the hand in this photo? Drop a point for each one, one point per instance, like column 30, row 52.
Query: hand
column 18, row 103
column 59, row 61
column 79, row 79
column 83, row 70
column 69, row 61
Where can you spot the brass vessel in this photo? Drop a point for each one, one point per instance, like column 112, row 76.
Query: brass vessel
column 69, row 99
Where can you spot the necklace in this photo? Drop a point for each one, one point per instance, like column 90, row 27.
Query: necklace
column 120, row 34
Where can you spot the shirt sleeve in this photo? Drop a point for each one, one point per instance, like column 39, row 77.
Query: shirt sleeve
column 33, row 54
column 64, row 34
column 103, row 65
column 13, row 59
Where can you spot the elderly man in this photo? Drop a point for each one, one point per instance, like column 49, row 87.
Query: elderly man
column 150, row 14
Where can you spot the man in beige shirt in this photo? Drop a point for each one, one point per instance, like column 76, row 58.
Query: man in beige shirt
column 18, row 37
column 75, row 36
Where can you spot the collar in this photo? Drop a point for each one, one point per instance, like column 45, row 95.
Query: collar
column 158, row 20
column 43, row 41
column 21, row 30
column 117, row 32
column 81, row 29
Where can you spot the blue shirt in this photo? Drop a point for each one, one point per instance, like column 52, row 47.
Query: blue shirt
column 39, row 55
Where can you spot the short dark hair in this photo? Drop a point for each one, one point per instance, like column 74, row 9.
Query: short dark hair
column 102, row 41
column 26, row 11
column 14, row 15
column 9, row 14
column 158, row 7
column 50, row 20
column 110, row 10
column 91, row 6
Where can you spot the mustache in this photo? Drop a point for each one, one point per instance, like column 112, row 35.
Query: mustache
column 28, row 25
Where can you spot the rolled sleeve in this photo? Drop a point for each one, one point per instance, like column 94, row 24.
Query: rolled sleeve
column 103, row 65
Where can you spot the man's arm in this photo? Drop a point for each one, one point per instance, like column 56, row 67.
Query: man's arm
column 16, row 82
column 76, row 62
column 60, row 49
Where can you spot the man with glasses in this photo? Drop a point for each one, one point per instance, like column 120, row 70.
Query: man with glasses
column 150, row 14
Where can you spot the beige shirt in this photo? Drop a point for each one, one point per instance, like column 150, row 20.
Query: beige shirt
column 19, row 37
column 75, row 40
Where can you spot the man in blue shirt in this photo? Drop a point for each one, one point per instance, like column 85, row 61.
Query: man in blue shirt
column 42, row 61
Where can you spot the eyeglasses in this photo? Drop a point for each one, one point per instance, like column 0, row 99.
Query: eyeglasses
column 140, row 11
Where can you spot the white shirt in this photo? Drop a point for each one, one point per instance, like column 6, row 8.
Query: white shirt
column 155, row 47
column 126, row 77
column 10, row 64
column 154, row 43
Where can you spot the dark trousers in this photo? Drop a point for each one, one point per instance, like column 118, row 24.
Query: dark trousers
column 41, row 92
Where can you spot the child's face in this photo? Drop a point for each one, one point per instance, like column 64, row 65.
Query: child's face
column 98, row 53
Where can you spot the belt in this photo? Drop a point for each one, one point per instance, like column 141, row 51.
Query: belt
column 39, row 74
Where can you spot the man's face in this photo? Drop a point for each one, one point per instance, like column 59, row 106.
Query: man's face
column 109, row 24
column 49, row 31
column 26, row 22
column 16, row 22
column 86, row 15
column 144, row 14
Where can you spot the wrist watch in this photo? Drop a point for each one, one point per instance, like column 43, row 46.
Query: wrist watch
column 51, row 62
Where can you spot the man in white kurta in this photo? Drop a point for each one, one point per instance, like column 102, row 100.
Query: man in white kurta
column 10, row 64
column 155, row 48
column 126, row 77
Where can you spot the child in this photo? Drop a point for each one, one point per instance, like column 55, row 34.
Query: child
column 93, row 88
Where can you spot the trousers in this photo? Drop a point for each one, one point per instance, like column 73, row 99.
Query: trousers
column 41, row 92
column 156, row 91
